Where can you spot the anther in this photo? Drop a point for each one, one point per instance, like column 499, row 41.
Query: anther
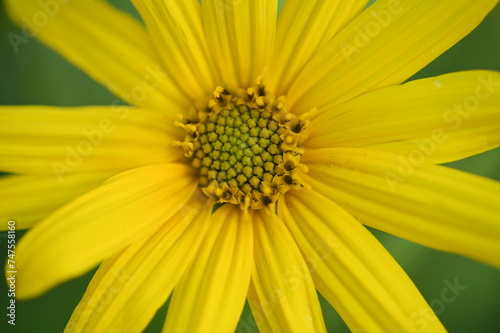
column 190, row 128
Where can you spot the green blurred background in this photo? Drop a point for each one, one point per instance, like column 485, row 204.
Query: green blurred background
column 37, row 75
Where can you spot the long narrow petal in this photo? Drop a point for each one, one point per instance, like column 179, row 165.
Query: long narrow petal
column 215, row 286
column 446, row 118
column 131, row 286
column 75, row 238
column 177, row 31
column 241, row 35
column 282, row 295
column 27, row 199
column 60, row 141
column 105, row 43
column 303, row 28
column 432, row 205
column 352, row 269
column 384, row 46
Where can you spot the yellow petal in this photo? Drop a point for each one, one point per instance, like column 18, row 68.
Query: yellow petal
column 445, row 118
column 177, row 31
column 215, row 286
column 60, row 141
column 78, row 236
column 385, row 45
column 105, row 43
column 303, row 28
column 240, row 34
column 27, row 199
column 282, row 294
column 436, row 206
column 352, row 270
column 129, row 287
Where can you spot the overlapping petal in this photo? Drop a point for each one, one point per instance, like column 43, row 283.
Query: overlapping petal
column 177, row 31
column 129, row 287
column 124, row 209
column 240, row 34
column 215, row 286
column 303, row 28
column 61, row 141
column 27, row 199
column 352, row 269
column 384, row 46
column 444, row 118
column 436, row 206
column 282, row 295
column 107, row 44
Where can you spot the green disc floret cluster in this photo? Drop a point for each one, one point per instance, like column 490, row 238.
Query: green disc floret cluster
column 238, row 146
column 245, row 146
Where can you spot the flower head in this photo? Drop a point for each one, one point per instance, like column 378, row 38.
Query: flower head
column 255, row 148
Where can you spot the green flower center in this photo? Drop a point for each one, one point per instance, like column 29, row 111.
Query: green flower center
column 240, row 147
column 245, row 147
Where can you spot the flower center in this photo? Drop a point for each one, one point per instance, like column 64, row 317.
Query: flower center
column 245, row 146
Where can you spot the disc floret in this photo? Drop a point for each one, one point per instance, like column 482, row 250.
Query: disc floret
column 245, row 146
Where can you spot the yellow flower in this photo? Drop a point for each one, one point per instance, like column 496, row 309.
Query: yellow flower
column 256, row 147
